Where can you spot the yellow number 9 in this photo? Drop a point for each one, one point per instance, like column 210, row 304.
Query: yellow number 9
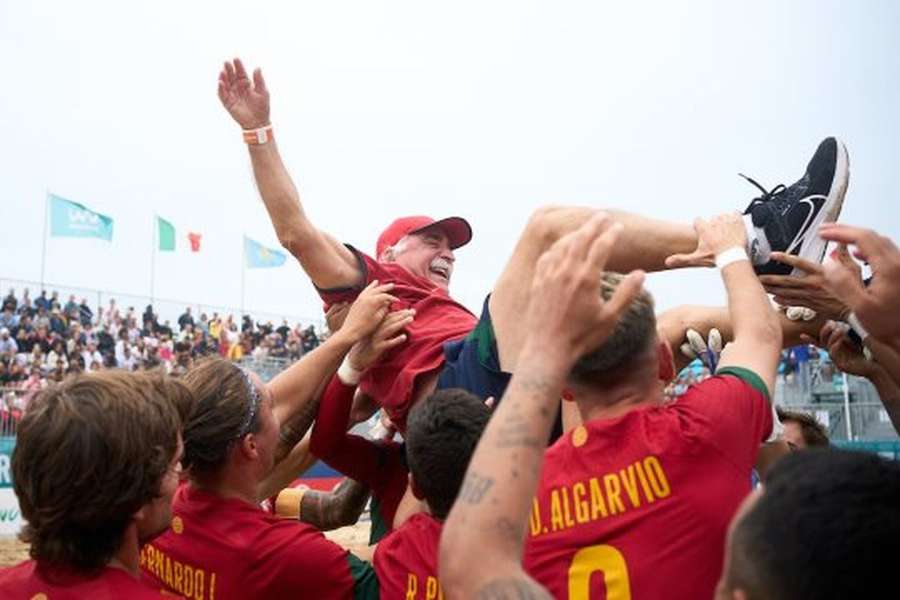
column 599, row 558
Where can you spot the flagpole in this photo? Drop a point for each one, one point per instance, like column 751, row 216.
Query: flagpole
column 44, row 244
column 243, row 272
column 153, row 258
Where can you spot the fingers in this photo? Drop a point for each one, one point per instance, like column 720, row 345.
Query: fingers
column 599, row 251
column 394, row 323
column 787, row 282
column 258, row 82
column 699, row 258
column 239, row 70
column 627, row 290
column 490, row 402
column 845, row 284
column 796, row 262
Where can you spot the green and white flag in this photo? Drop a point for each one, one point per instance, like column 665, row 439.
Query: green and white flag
column 166, row 235
column 70, row 219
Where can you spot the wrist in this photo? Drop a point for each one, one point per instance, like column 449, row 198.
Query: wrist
column 729, row 255
column 257, row 136
column 550, row 361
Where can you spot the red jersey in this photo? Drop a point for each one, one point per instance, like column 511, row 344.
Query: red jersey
column 380, row 465
column 220, row 548
column 31, row 580
column 406, row 561
column 439, row 319
column 638, row 506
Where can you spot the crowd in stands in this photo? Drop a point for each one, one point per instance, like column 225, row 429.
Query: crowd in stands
column 43, row 339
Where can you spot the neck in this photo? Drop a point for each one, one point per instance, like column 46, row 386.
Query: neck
column 615, row 402
column 128, row 556
column 229, row 482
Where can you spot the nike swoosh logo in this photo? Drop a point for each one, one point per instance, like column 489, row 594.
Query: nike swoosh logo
column 801, row 233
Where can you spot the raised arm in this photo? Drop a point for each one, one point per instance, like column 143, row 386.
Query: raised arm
column 295, row 391
column 757, row 331
column 328, row 263
column 566, row 318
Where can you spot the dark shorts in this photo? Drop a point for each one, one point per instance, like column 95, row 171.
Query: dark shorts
column 473, row 364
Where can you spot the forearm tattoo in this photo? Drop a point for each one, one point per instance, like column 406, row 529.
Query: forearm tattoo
column 474, row 488
column 338, row 508
column 293, row 430
column 513, row 588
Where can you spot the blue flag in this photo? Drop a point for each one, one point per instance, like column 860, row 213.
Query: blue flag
column 70, row 219
column 258, row 256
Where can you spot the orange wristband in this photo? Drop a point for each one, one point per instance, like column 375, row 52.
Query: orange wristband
column 255, row 137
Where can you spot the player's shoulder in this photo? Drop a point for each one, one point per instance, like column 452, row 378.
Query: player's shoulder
column 16, row 574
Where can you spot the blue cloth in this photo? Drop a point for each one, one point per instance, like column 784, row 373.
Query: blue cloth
column 473, row 364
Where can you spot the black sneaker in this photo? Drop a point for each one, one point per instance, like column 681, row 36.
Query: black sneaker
column 791, row 216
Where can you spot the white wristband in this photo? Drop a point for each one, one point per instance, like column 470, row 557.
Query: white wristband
column 726, row 257
column 347, row 374
column 853, row 321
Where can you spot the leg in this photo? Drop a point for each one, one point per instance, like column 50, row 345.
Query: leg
column 674, row 323
column 644, row 244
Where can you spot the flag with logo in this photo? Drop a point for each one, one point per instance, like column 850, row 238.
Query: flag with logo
column 70, row 219
column 257, row 256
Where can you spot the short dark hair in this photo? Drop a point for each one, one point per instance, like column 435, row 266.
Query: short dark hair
column 633, row 335
column 222, row 403
column 825, row 526
column 441, row 434
column 814, row 433
column 89, row 453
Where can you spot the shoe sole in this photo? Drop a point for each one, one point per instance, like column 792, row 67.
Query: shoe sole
column 813, row 247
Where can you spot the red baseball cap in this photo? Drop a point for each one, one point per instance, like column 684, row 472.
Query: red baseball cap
column 457, row 230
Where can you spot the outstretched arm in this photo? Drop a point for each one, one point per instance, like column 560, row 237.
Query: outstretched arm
column 566, row 318
column 295, row 391
column 757, row 332
column 328, row 263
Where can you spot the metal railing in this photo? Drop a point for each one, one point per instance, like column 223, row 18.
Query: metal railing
column 12, row 405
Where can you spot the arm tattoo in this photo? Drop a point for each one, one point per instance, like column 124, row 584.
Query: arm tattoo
column 330, row 510
column 514, row 433
column 474, row 488
column 513, row 588
column 293, row 430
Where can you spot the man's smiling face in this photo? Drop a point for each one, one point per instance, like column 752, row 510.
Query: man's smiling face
column 427, row 254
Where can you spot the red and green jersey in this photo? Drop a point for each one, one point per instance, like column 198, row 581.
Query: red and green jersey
column 406, row 561
column 638, row 506
column 30, row 579
column 379, row 465
column 220, row 548
column 439, row 319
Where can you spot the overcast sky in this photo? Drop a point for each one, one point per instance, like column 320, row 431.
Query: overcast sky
column 481, row 109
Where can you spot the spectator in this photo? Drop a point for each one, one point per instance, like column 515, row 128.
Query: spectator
column 85, row 313
column 41, row 302
column 186, row 319
column 8, row 345
column 71, row 306
column 27, row 308
column 57, row 355
column 8, row 318
column 203, row 323
column 10, row 300
column 90, row 356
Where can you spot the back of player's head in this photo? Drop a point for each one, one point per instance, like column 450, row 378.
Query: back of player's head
column 632, row 341
column 89, row 453
column 441, row 434
column 825, row 526
column 814, row 433
column 224, row 399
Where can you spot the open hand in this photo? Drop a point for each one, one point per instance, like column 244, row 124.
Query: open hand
column 810, row 290
column 874, row 305
column 246, row 102
column 845, row 355
column 714, row 236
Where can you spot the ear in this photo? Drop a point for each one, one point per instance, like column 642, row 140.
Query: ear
column 387, row 255
column 666, row 361
column 415, row 489
column 140, row 514
column 248, row 447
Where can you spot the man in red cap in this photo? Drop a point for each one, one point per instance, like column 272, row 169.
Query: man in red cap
column 447, row 346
